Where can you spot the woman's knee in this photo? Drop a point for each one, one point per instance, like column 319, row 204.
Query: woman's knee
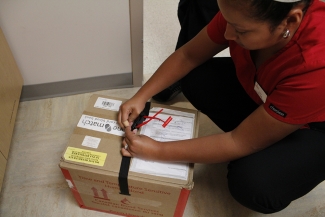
column 257, row 196
column 255, row 189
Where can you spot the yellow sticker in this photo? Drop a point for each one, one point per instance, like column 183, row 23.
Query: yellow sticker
column 85, row 156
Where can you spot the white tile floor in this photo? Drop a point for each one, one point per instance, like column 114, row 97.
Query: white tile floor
column 35, row 187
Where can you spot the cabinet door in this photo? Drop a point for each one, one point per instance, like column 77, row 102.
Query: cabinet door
column 10, row 88
column 3, row 164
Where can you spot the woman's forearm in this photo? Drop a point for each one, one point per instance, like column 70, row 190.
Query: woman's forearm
column 210, row 149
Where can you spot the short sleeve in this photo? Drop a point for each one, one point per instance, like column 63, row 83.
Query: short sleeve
column 216, row 29
column 299, row 99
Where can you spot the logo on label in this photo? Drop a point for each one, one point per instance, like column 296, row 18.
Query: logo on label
column 277, row 111
column 108, row 127
column 100, row 125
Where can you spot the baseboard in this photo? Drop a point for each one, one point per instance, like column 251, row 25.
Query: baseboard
column 77, row 86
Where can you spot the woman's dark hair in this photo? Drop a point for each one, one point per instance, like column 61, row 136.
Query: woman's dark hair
column 272, row 11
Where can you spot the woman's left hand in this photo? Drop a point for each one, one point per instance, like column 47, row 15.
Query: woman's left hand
column 140, row 146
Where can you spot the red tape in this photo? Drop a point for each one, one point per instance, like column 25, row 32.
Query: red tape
column 167, row 121
column 154, row 117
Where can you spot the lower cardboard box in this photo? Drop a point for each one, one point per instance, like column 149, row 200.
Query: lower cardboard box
column 92, row 165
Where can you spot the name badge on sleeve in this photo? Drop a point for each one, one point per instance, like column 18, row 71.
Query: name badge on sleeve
column 260, row 92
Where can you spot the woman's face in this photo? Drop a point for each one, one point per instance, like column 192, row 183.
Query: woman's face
column 246, row 31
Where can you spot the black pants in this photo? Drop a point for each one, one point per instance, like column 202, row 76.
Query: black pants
column 193, row 15
column 269, row 180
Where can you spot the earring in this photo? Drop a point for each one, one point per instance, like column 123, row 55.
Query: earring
column 286, row 34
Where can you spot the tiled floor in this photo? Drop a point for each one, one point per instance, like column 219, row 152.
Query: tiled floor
column 35, row 187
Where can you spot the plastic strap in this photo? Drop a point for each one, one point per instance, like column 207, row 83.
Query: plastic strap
column 141, row 117
column 125, row 163
column 123, row 175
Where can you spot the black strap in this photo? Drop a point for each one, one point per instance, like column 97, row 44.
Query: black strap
column 123, row 175
column 125, row 164
column 141, row 118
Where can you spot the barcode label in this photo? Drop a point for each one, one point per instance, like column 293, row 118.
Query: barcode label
column 108, row 104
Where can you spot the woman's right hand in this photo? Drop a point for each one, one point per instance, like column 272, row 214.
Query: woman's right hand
column 129, row 111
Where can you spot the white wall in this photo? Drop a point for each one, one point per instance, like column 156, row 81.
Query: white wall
column 58, row 40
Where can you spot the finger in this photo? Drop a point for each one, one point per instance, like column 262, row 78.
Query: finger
column 124, row 143
column 126, row 123
column 119, row 119
column 129, row 135
column 125, row 153
column 132, row 117
column 134, row 114
column 123, row 122
column 123, row 117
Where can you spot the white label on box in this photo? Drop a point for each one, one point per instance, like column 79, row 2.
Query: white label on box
column 91, row 142
column 108, row 104
column 100, row 124
column 181, row 127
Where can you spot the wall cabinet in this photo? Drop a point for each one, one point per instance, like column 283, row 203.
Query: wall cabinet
column 11, row 83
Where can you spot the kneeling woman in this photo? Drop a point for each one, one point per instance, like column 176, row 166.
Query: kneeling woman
column 268, row 98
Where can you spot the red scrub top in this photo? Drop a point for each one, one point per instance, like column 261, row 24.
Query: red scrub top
column 294, row 78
